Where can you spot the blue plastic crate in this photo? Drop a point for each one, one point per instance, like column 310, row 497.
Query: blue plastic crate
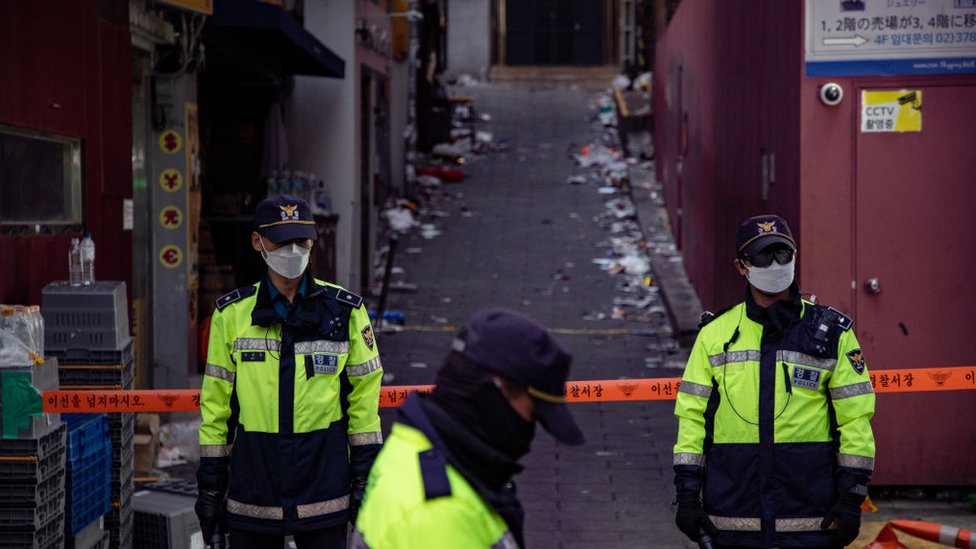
column 87, row 434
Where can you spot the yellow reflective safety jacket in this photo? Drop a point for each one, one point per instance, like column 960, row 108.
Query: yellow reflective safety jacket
column 289, row 407
column 416, row 500
column 774, row 414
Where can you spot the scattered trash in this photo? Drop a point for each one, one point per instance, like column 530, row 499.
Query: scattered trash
column 400, row 219
column 576, row 180
column 467, row 81
column 620, row 82
column 420, row 365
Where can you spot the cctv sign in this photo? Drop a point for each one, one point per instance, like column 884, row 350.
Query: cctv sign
column 890, row 37
column 886, row 111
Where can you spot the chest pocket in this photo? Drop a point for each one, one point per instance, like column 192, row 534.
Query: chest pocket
column 806, row 372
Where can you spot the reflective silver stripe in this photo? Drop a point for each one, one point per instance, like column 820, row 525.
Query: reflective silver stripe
column 215, row 450
column 738, row 524
column 849, row 391
column 799, row 524
column 803, row 359
column 947, row 535
column 696, row 389
column 256, row 344
column 857, row 462
column 321, row 346
column 732, row 357
column 685, row 458
column 361, row 439
column 255, row 511
column 323, row 507
column 356, row 370
column 219, row 372
column 507, row 541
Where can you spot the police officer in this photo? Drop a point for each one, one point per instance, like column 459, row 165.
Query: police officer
column 775, row 447
column 289, row 401
column 444, row 476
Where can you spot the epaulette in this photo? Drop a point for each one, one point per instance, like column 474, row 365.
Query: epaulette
column 708, row 316
column 345, row 296
column 845, row 322
column 235, row 296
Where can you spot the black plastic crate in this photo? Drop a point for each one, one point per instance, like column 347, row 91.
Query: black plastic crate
column 122, row 355
column 30, row 493
column 50, row 535
column 164, row 520
column 119, row 523
column 123, row 540
column 38, row 447
column 179, row 487
column 31, row 470
column 122, row 491
column 26, row 517
column 94, row 316
column 93, row 375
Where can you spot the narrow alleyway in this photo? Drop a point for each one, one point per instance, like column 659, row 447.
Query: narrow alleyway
column 516, row 234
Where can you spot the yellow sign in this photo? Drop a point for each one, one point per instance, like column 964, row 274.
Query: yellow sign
column 171, row 180
column 170, row 142
column 171, row 217
column 199, row 6
column 171, row 257
column 891, row 111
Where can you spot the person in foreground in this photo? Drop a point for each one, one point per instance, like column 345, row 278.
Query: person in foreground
column 289, row 400
column 444, row 476
column 775, row 447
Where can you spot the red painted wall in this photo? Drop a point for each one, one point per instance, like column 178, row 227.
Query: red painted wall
column 65, row 68
column 732, row 67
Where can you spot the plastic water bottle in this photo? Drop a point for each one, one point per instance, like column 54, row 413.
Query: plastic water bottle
column 74, row 263
column 87, row 260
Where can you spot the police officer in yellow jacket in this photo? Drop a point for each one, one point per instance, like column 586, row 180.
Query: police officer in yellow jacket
column 775, row 447
column 443, row 479
column 289, row 401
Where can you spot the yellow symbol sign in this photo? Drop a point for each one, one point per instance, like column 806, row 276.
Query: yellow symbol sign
column 171, row 256
column 171, row 217
column 891, row 111
column 171, row 180
column 170, row 142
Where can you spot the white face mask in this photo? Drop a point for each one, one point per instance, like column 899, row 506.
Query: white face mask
column 773, row 279
column 289, row 261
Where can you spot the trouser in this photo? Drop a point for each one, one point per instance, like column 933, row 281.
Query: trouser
column 328, row 538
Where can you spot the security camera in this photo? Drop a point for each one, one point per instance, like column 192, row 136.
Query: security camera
column 831, row 94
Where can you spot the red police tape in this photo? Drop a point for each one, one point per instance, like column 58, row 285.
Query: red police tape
column 956, row 378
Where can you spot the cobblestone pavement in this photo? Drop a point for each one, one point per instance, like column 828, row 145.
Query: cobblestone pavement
column 516, row 234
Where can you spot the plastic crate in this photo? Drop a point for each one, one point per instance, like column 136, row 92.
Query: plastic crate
column 42, row 447
column 122, row 491
column 179, row 487
column 32, row 494
column 32, row 517
column 119, row 523
column 87, row 494
column 87, row 434
column 96, row 376
column 163, row 520
column 30, row 469
column 88, row 537
column 50, row 535
column 122, row 540
column 85, row 317
column 122, row 354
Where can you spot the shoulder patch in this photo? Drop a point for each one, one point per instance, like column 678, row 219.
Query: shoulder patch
column 349, row 298
column 856, row 359
column 234, row 296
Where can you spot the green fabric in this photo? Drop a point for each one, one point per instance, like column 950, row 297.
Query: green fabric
column 21, row 401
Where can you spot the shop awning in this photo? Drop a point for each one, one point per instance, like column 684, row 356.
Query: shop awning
column 269, row 38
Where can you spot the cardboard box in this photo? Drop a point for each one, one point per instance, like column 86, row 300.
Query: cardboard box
column 145, row 442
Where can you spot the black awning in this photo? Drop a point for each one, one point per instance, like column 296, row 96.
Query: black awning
column 269, row 38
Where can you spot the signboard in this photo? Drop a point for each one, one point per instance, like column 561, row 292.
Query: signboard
column 890, row 37
column 891, row 111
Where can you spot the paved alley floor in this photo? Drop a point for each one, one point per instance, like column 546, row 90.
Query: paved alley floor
column 515, row 234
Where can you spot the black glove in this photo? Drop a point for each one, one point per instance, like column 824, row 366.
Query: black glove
column 846, row 514
column 356, row 494
column 211, row 508
column 691, row 518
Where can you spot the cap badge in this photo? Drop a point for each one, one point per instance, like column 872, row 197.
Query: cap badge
column 289, row 212
column 767, row 227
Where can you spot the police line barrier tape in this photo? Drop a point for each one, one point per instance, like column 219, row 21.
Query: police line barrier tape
column 958, row 378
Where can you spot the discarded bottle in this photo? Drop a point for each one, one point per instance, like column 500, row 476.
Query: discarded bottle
column 74, row 262
column 87, row 248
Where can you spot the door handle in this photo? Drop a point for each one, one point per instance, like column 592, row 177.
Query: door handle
column 872, row 286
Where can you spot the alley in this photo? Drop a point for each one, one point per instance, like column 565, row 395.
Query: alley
column 516, row 234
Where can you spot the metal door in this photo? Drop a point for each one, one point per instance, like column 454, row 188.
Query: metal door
column 914, row 222
column 554, row 32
